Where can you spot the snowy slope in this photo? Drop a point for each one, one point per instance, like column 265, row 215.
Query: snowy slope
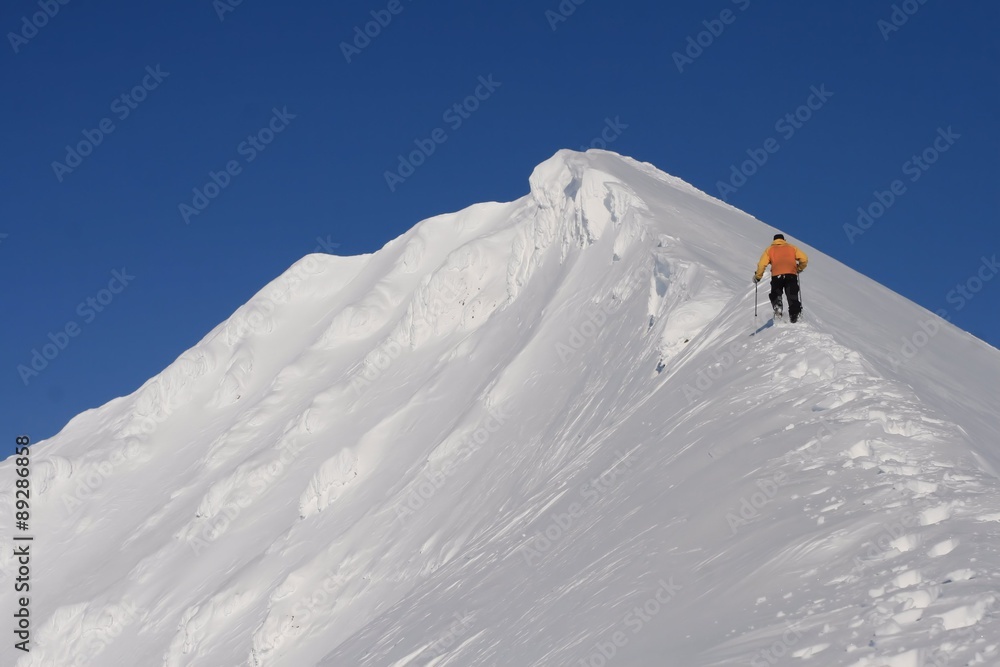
column 536, row 433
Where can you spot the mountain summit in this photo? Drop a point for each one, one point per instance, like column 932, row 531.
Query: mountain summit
column 541, row 433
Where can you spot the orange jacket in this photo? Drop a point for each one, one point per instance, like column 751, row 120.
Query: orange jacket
column 784, row 258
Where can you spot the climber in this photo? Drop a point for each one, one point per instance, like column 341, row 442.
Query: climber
column 787, row 262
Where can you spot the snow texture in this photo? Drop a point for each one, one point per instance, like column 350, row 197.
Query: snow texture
column 547, row 432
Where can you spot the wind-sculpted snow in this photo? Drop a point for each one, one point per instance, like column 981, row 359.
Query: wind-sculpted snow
column 328, row 483
column 542, row 433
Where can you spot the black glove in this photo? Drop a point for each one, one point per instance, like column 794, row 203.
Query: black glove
column 755, row 278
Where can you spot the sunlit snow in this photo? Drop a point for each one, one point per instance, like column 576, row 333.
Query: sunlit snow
column 548, row 432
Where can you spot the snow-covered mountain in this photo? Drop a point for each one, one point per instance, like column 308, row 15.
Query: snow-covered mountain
column 541, row 433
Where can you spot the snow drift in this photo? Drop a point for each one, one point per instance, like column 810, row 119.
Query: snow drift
column 545, row 432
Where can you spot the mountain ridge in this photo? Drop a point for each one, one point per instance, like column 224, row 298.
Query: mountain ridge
column 494, row 439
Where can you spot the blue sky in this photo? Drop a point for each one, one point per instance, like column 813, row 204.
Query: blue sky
column 307, row 129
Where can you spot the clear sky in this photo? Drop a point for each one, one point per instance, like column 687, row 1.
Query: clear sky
column 115, row 112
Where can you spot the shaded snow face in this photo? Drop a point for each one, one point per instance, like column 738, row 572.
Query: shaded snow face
column 548, row 432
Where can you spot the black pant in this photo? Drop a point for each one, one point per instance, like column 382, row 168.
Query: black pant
column 789, row 284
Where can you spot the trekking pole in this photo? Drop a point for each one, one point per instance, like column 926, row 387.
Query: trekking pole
column 801, row 307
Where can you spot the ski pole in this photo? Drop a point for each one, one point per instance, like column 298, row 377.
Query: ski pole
column 801, row 307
